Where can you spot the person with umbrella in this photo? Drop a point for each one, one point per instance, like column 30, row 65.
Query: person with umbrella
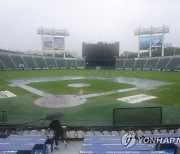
column 55, row 125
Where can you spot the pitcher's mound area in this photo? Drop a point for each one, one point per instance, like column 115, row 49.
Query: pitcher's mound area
column 79, row 85
column 60, row 101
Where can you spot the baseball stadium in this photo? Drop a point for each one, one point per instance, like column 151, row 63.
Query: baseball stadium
column 105, row 101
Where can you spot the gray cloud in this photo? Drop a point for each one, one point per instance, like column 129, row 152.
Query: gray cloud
column 87, row 20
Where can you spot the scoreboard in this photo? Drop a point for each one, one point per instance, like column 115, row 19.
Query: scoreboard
column 101, row 54
column 105, row 50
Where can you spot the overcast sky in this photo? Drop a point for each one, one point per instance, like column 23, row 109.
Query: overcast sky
column 86, row 20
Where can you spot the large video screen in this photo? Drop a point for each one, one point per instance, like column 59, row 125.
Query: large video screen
column 156, row 42
column 100, row 50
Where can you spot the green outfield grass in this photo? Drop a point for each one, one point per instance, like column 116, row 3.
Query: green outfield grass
column 97, row 110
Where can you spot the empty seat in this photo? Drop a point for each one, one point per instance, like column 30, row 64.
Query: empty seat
column 80, row 134
column 106, row 133
column 139, row 133
column 156, row 131
column 147, row 132
column 98, row 133
column 122, row 132
column 72, row 134
column 115, row 133
column 90, row 133
column 163, row 131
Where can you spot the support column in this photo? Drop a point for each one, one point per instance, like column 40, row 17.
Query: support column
column 139, row 44
column 53, row 44
column 150, row 51
column 163, row 41
column 42, row 43
column 64, row 43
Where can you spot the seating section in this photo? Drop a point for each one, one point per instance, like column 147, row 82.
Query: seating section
column 110, row 144
column 174, row 63
column 40, row 61
column 30, row 62
column 51, row 62
column 71, row 63
column 101, row 144
column 7, row 61
column 162, row 63
column 151, row 63
column 18, row 61
column 97, row 141
column 25, row 144
column 61, row 63
column 80, row 63
column 1, row 65
column 158, row 63
column 129, row 63
column 119, row 63
column 140, row 63
column 13, row 60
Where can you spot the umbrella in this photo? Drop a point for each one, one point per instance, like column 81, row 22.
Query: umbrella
column 54, row 115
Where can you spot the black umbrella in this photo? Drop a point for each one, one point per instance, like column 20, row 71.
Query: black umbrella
column 54, row 115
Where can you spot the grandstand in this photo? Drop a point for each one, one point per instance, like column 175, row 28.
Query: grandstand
column 12, row 60
column 169, row 63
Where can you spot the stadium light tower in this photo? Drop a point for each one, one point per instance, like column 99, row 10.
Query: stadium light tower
column 151, row 38
column 53, row 39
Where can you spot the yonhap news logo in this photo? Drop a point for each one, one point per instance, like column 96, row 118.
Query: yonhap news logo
column 130, row 139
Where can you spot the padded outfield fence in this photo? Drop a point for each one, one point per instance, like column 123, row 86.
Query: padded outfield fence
column 137, row 116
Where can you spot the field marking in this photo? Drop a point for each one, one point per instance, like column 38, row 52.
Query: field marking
column 6, row 94
column 34, row 90
column 136, row 98
column 107, row 93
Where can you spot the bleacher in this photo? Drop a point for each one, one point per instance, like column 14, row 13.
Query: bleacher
column 119, row 63
column 18, row 61
column 61, row 63
column 1, row 65
column 29, row 61
column 40, row 61
column 151, row 63
column 174, row 63
column 51, row 62
column 129, row 63
column 171, row 63
column 140, row 63
column 71, row 63
column 101, row 144
column 80, row 63
column 98, row 140
column 162, row 63
column 12, row 60
column 111, row 144
column 25, row 144
column 7, row 61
